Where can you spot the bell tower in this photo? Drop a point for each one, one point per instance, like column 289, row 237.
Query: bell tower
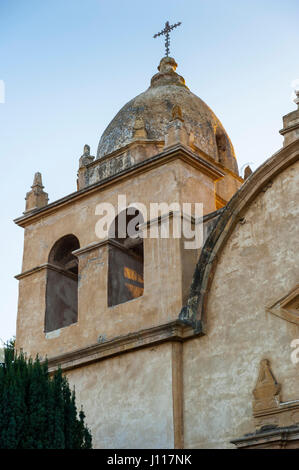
column 106, row 309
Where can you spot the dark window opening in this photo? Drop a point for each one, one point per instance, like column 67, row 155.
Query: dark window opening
column 125, row 258
column 62, row 285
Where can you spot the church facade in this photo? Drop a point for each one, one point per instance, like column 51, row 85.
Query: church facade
column 170, row 346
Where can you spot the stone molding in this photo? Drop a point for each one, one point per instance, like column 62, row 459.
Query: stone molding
column 270, row 438
column 91, row 247
column 42, row 267
column 175, row 331
column 284, row 414
column 288, row 129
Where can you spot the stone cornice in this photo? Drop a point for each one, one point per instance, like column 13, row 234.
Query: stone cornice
column 175, row 331
column 91, row 247
column 177, row 152
column 285, row 130
column 95, row 245
column 42, row 267
column 276, row 437
column 282, row 407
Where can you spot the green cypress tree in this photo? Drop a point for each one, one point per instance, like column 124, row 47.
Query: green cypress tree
column 87, row 440
column 59, row 437
column 38, row 411
column 12, row 400
column 70, row 415
column 36, row 405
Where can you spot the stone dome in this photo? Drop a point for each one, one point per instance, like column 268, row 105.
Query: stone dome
column 154, row 108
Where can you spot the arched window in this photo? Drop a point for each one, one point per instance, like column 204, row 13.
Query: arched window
column 125, row 258
column 62, row 285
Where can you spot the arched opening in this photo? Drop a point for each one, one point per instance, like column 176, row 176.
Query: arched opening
column 62, row 284
column 125, row 258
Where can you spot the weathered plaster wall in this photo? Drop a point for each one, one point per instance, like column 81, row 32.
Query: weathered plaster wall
column 128, row 399
column 258, row 266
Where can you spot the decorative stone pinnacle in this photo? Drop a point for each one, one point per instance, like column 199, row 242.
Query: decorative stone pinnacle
column 37, row 180
column 86, row 150
column 247, row 172
column 139, row 130
column 296, row 100
column 37, row 197
column 86, row 158
column 176, row 132
column 177, row 113
column 267, row 389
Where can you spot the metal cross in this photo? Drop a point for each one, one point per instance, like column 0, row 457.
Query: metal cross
column 166, row 31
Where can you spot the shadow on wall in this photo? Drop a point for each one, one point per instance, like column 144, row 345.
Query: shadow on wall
column 62, row 285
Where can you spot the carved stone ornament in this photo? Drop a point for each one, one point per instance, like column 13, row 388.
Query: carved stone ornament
column 287, row 307
column 276, row 422
column 266, row 391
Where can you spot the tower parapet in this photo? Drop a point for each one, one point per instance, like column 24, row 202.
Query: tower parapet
column 290, row 130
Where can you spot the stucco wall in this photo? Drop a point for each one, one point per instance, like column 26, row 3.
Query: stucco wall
column 128, row 399
column 257, row 267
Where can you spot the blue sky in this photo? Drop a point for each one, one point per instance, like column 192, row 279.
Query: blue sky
column 69, row 66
